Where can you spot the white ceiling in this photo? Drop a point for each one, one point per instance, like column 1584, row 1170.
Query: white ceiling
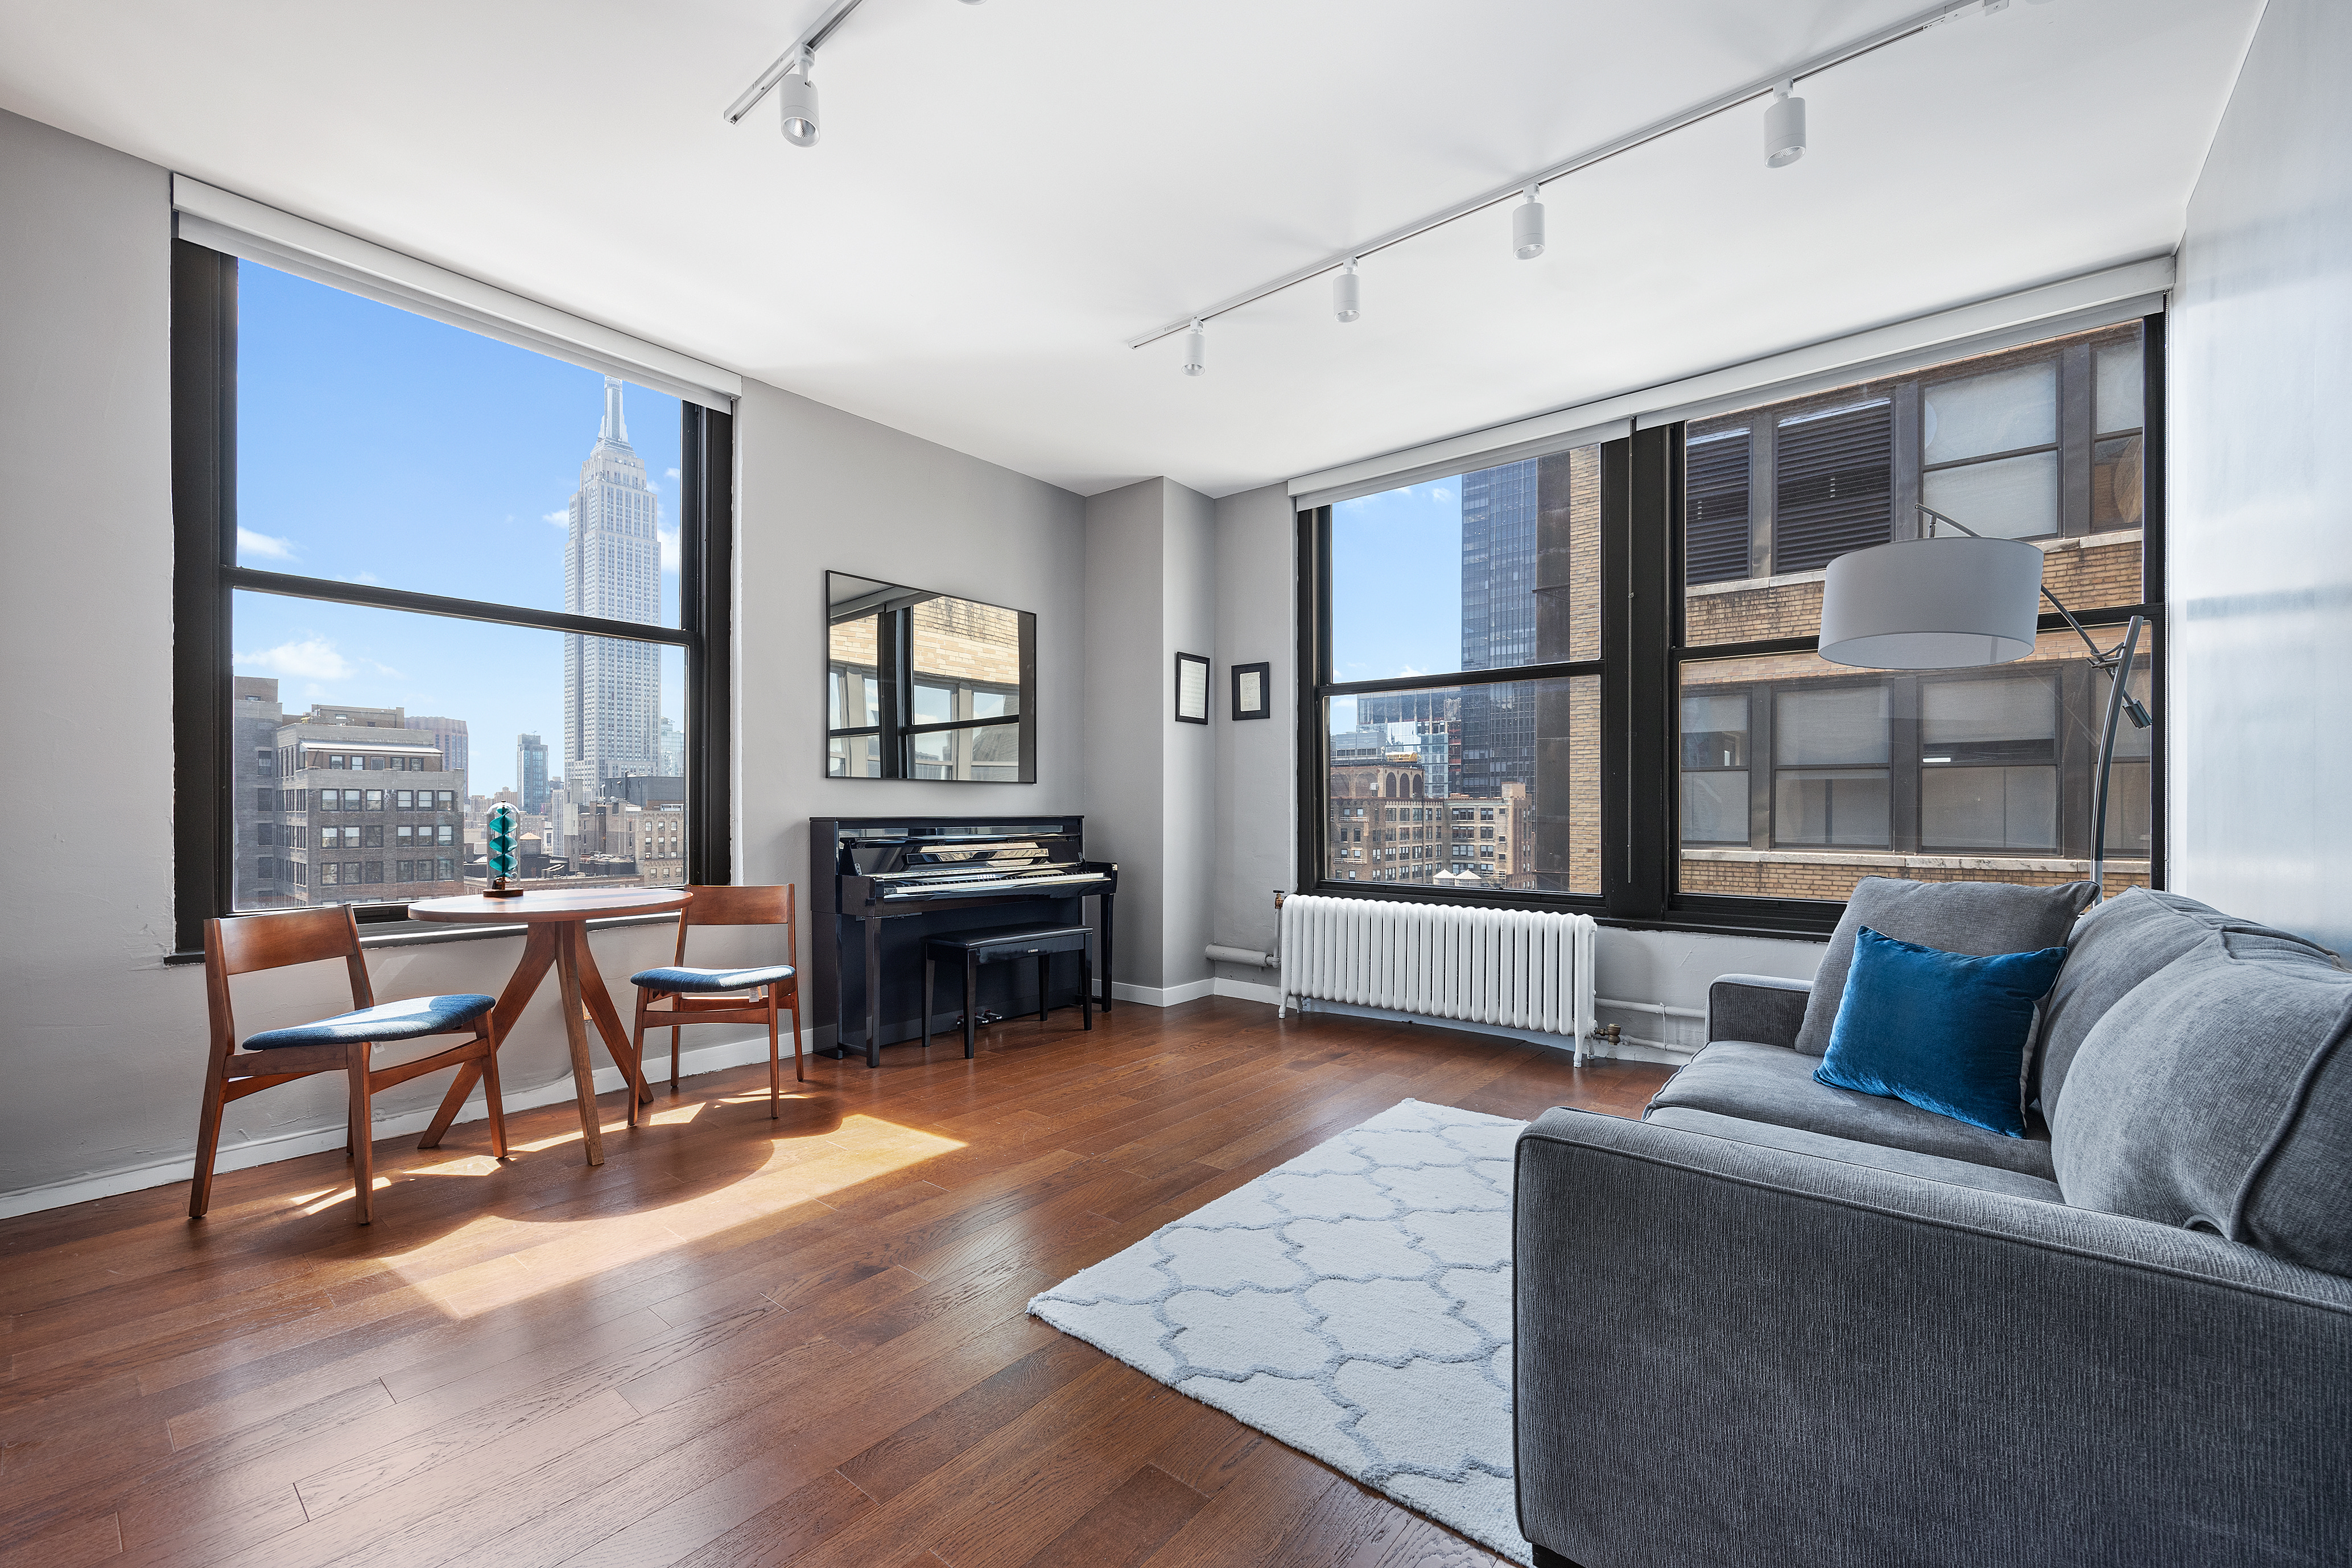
column 1007, row 191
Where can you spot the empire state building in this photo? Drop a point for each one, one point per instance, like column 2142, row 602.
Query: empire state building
column 611, row 569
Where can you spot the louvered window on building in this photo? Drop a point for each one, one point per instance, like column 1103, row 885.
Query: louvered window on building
column 1715, row 485
column 1833, row 485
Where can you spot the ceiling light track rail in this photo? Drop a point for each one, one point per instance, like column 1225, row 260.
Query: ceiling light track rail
column 1782, row 81
column 807, row 44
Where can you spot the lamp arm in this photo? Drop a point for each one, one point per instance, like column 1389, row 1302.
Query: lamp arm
column 2097, row 656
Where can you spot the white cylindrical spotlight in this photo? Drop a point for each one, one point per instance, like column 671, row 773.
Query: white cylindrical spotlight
column 1346, row 300
column 1196, row 348
column 797, row 94
column 1527, row 228
column 1784, row 128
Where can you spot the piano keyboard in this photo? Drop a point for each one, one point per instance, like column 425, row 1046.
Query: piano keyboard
column 967, row 887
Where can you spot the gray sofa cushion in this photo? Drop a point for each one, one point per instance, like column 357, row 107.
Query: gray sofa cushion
column 1773, row 1084
column 1980, row 919
column 2114, row 947
column 2218, row 1094
column 1876, row 1156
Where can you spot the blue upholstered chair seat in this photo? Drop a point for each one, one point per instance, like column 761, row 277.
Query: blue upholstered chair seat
column 666, row 980
column 410, row 1018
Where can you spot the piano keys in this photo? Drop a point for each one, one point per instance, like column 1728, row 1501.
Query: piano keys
column 884, row 885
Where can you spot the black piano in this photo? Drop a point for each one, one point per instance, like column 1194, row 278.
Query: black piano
column 885, row 884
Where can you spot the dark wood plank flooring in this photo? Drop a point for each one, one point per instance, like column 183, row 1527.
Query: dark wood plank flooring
column 740, row 1342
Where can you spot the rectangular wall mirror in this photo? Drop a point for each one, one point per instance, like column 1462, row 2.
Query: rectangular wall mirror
column 921, row 685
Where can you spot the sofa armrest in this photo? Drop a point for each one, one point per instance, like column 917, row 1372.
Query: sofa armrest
column 1733, row 1354
column 1761, row 1008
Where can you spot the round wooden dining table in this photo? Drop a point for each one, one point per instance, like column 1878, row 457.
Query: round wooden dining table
column 558, row 937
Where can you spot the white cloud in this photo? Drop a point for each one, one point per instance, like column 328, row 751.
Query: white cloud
column 671, row 472
column 269, row 547
column 1409, row 669
column 314, row 657
column 369, row 578
column 1441, row 495
column 387, row 669
column 560, row 518
column 668, row 538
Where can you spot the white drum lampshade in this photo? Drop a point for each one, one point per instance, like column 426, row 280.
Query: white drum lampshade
column 1932, row 604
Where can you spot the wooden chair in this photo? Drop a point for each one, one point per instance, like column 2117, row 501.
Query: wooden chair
column 755, row 992
column 342, row 1043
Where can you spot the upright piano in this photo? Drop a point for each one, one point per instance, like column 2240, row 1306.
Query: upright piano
column 885, row 884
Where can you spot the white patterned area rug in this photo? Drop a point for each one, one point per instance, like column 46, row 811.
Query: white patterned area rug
column 1354, row 1303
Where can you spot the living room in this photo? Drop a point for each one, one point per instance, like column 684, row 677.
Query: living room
column 1197, row 784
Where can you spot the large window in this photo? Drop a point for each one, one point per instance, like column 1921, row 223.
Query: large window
column 1459, row 707
column 1978, row 774
column 1626, row 676
column 407, row 553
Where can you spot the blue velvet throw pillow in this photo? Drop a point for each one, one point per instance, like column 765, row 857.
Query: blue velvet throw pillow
column 1941, row 1030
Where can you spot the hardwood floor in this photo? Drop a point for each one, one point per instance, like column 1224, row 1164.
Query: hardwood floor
column 740, row 1342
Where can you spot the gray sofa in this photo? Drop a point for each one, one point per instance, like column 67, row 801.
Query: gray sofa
column 1779, row 1323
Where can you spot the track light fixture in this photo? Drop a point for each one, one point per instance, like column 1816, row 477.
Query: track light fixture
column 1784, row 144
column 788, row 77
column 1784, row 128
column 797, row 94
column 1346, row 301
column 1528, row 227
column 1196, row 348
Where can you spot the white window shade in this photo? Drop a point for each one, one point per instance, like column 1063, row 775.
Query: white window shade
column 2053, row 309
column 237, row 226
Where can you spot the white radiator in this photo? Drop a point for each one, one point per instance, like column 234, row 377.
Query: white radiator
column 1515, row 969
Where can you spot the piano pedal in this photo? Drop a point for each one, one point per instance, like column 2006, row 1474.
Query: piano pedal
column 987, row 1015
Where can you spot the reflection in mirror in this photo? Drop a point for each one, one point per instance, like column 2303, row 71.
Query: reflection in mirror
column 926, row 686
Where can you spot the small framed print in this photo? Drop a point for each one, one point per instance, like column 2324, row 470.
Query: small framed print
column 1250, row 698
column 1191, row 688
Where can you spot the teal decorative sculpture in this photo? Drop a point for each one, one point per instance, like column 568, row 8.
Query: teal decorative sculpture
column 505, row 832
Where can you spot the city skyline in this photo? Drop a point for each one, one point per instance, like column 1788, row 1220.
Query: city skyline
column 472, row 448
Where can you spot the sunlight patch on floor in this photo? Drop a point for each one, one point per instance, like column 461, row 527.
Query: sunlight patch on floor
column 861, row 1147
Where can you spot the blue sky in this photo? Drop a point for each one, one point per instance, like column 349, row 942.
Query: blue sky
column 1396, row 586
column 374, row 445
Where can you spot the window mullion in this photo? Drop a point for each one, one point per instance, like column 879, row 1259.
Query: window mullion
column 203, row 491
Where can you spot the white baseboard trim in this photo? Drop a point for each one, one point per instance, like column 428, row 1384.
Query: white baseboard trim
column 1595, row 1048
column 691, row 1062
column 1160, row 996
column 1249, row 991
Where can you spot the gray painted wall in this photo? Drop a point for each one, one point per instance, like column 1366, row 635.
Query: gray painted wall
column 2261, row 500
column 820, row 489
column 1150, row 585
column 1255, row 604
column 1189, row 615
column 105, row 1046
column 1126, row 790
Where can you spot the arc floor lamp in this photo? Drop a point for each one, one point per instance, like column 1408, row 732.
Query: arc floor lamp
column 1956, row 603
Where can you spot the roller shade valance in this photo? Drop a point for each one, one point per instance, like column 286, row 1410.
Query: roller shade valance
column 1987, row 326
column 237, row 226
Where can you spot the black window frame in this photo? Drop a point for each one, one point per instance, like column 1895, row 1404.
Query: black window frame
column 206, row 576
column 1643, row 648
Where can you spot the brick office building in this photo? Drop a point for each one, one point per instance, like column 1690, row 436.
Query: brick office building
column 1384, row 827
column 1800, row 777
column 340, row 805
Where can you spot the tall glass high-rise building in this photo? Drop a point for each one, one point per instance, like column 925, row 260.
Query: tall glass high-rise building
column 612, row 568
column 530, row 772
column 1499, row 626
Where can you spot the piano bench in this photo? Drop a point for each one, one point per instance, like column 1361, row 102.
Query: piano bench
column 972, row 949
